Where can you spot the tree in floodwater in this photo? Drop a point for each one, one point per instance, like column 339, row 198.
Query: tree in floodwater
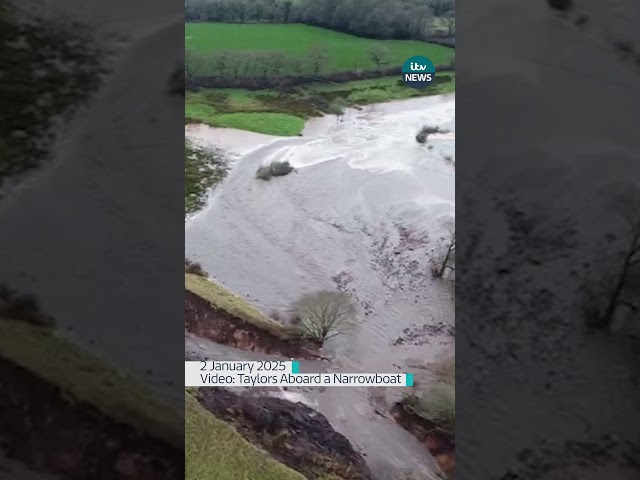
column 621, row 286
column 448, row 256
column 325, row 314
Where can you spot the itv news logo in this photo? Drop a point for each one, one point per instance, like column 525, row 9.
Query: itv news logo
column 418, row 72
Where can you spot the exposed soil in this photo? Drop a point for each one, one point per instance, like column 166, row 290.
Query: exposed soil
column 293, row 433
column 205, row 320
column 48, row 432
column 439, row 443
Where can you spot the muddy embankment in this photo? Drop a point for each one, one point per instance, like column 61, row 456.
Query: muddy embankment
column 292, row 433
column 203, row 319
column 440, row 444
column 50, row 433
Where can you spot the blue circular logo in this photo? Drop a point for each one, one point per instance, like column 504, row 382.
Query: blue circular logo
column 418, row 72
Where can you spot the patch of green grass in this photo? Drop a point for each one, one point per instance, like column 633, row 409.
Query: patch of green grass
column 244, row 110
column 278, row 113
column 85, row 378
column 235, row 306
column 345, row 52
column 199, row 112
column 385, row 89
column 216, row 451
column 281, row 124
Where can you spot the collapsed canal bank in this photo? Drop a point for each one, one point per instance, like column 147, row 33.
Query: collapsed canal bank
column 292, row 433
column 214, row 313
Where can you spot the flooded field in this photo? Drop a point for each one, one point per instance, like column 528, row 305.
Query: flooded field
column 366, row 212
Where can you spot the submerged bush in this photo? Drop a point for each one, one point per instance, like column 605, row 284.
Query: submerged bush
column 194, row 268
column 274, row 169
column 423, row 134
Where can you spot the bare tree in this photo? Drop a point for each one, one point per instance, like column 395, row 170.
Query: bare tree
column 277, row 61
column 325, row 314
column 448, row 257
column 317, row 57
column 221, row 61
column 621, row 286
column 297, row 65
column 378, row 55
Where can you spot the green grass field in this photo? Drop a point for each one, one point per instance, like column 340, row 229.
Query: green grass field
column 345, row 52
column 216, row 451
column 284, row 114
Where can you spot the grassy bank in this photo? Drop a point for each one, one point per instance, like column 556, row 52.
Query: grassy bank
column 278, row 113
column 216, row 451
column 234, row 305
column 84, row 378
column 203, row 169
column 343, row 52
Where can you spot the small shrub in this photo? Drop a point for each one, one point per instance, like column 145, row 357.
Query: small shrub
column 264, row 173
column 194, row 268
column 320, row 102
column 438, row 405
column 274, row 169
column 279, row 169
column 423, row 134
column 337, row 106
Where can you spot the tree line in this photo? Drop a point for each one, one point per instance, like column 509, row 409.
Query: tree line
column 273, row 69
column 399, row 19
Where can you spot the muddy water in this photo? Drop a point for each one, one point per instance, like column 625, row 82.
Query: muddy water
column 365, row 212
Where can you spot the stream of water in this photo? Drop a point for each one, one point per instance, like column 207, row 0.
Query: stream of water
column 366, row 211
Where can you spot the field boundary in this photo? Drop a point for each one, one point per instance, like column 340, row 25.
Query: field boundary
column 288, row 81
